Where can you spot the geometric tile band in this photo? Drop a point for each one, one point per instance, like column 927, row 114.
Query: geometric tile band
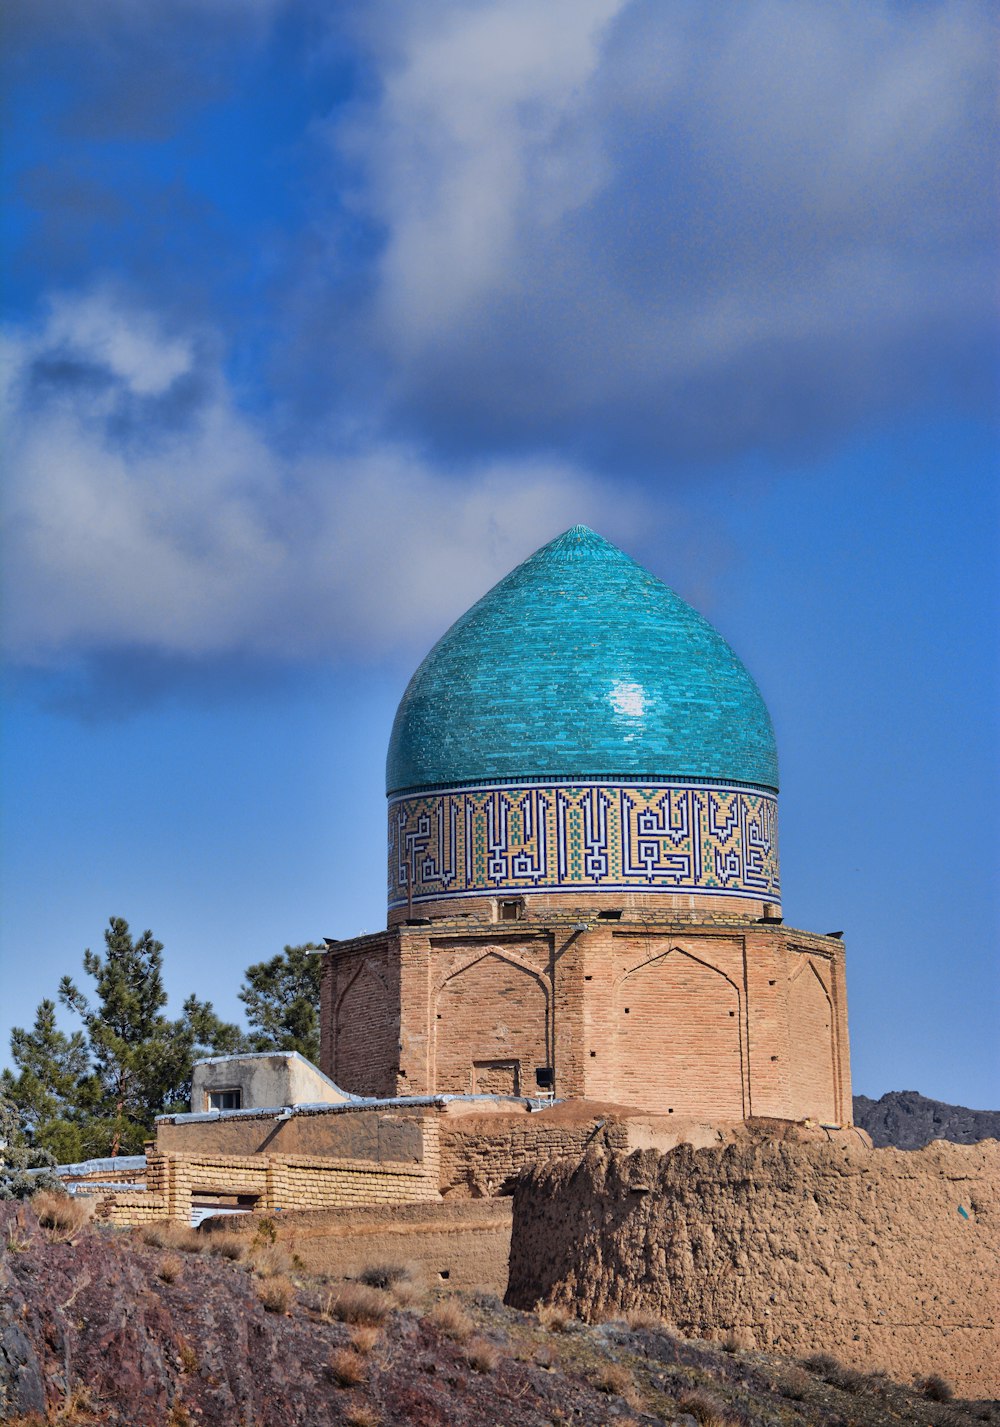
column 578, row 836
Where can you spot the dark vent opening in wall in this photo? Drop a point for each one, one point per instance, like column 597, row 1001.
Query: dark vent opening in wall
column 611, row 914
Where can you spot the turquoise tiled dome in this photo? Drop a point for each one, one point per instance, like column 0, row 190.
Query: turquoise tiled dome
column 579, row 664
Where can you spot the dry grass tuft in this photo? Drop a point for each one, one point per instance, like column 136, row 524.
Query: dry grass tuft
column 168, row 1234
column 355, row 1303
column 78, row 1407
column 451, row 1320
column 546, row 1357
column 227, row 1246
column 347, row 1368
column 64, row 1215
column 706, row 1409
column 188, row 1356
column 936, row 1388
column 359, row 1414
column 481, row 1355
column 642, row 1321
column 615, row 1379
column 270, row 1261
column 276, row 1293
column 553, row 1317
column 405, row 1293
column 171, row 1267
column 364, row 1337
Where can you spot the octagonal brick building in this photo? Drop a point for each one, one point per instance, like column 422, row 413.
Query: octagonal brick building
column 583, row 879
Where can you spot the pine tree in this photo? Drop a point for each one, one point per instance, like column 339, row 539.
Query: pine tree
column 282, row 1001
column 98, row 1092
column 54, row 1085
column 17, row 1156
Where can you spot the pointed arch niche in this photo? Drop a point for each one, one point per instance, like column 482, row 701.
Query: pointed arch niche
column 678, row 1038
column 811, row 1035
column 491, row 1027
column 366, row 1031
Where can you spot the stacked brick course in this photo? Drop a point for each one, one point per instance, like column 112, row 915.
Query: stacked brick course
column 696, row 1016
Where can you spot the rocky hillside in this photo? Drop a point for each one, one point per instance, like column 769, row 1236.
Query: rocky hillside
column 169, row 1326
column 909, row 1121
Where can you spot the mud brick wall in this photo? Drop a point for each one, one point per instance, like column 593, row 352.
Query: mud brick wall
column 276, row 1182
column 464, row 1243
column 886, row 1258
column 481, row 1156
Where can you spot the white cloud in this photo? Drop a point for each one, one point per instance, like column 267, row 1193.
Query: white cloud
column 726, row 220
column 133, row 521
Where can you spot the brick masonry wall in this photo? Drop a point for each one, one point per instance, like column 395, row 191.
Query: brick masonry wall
column 359, row 1008
column 796, row 1248
column 692, row 1017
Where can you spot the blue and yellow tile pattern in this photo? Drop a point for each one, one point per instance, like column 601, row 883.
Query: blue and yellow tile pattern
column 583, row 836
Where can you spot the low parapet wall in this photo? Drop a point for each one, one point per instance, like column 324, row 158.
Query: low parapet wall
column 885, row 1258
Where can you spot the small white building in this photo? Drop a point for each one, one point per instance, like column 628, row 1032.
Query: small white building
column 260, row 1081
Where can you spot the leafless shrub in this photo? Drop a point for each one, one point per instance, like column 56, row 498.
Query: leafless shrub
column 356, row 1303
column 364, row 1337
column 64, row 1215
column 171, row 1267
column 795, row 1384
column 347, row 1368
column 481, row 1355
column 276, row 1293
column 451, row 1320
column 936, row 1388
column 359, row 1414
column 385, row 1275
column 836, row 1373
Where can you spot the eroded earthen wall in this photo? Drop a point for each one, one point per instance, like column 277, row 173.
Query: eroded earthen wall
column 885, row 1258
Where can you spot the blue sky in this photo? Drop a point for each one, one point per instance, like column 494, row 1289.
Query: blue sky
column 319, row 318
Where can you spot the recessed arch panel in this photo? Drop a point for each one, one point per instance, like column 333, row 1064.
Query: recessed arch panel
column 366, row 1030
column 811, row 1037
column 678, row 1041
column 491, row 1027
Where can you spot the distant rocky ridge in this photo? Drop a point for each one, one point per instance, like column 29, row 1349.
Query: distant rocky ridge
column 908, row 1120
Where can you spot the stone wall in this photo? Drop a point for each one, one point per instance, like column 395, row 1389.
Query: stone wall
column 883, row 1257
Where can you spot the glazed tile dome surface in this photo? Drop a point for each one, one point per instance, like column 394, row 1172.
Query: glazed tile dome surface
column 580, row 664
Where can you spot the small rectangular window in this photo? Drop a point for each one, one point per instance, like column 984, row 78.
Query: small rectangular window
column 224, row 1099
column 511, row 910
